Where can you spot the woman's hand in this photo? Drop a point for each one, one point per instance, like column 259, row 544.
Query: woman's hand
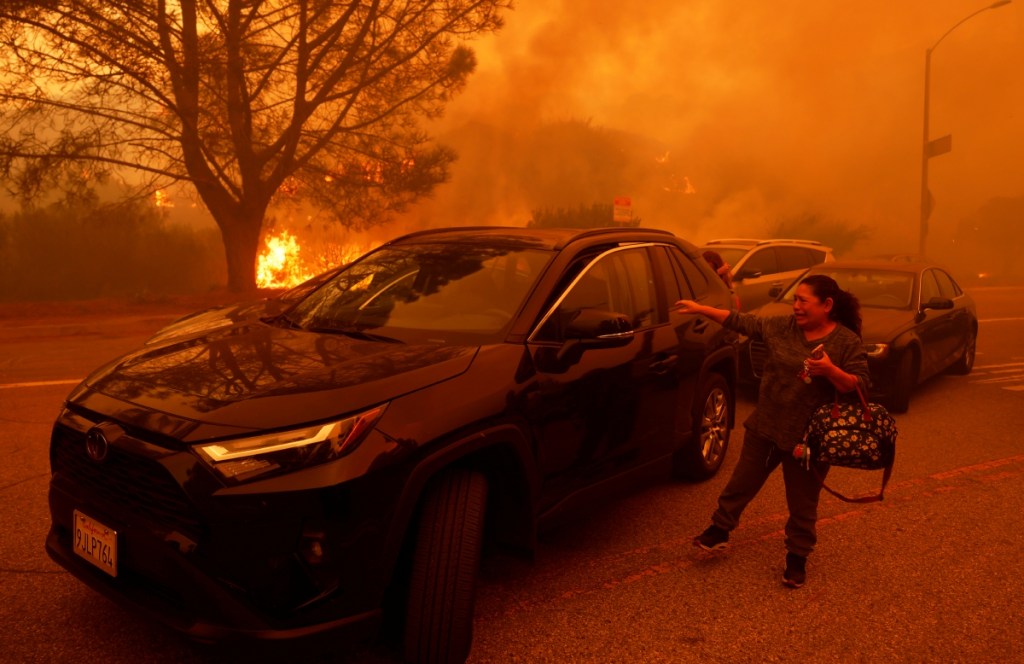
column 689, row 307
column 820, row 367
column 823, row 366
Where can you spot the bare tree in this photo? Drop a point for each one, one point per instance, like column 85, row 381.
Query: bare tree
column 249, row 101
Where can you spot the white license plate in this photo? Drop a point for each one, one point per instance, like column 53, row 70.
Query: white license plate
column 96, row 543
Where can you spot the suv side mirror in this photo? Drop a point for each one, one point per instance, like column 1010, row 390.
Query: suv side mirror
column 599, row 329
column 588, row 329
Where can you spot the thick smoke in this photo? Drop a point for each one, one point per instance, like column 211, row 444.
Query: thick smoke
column 770, row 111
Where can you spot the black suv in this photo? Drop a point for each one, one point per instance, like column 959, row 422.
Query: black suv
column 276, row 471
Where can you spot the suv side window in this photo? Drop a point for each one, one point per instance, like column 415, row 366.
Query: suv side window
column 633, row 291
column 692, row 281
column 761, row 260
column 622, row 282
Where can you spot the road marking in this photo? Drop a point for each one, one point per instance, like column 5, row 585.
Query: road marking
column 999, row 320
column 1009, row 375
column 41, row 383
column 1004, row 379
column 680, row 555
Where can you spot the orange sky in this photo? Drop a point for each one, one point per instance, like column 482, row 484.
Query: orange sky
column 821, row 101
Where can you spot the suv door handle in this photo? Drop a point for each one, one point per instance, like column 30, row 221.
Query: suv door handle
column 664, row 365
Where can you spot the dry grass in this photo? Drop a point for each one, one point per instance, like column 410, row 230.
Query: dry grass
column 27, row 313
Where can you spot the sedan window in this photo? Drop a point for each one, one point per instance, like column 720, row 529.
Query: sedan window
column 929, row 287
column 946, row 286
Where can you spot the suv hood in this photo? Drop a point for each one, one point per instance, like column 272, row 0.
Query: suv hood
column 256, row 376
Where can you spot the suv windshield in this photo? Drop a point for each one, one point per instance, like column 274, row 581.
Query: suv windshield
column 450, row 288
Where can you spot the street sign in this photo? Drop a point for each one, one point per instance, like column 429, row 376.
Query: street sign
column 622, row 209
column 940, row 145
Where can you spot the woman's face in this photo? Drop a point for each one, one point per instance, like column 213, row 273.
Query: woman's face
column 809, row 311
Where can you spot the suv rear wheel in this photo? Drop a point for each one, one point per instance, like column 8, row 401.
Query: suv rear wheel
column 446, row 558
column 704, row 454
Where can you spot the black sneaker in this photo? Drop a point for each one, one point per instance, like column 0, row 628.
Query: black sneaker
column 796, row 571
column 712, row 539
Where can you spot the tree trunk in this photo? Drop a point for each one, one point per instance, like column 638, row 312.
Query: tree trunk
column 241, row 245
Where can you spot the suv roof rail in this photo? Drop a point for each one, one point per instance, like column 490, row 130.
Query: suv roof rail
column 810, row 242
column 736, row 240
column 567, row 235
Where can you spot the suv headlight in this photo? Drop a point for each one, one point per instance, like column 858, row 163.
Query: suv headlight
column 876, row 350
column 244, row 459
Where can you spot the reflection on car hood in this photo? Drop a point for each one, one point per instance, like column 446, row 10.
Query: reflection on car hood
column 257, row 376
column 878, row 325
column 216, row 317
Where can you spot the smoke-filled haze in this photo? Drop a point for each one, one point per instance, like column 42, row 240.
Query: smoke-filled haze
column 769, row 109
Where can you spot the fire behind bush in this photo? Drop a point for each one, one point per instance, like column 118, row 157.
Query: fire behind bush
column 284, row 262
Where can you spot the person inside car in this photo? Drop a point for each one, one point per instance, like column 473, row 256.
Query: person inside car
column 722, row 268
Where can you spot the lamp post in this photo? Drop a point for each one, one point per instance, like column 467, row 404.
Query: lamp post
column 943, row 144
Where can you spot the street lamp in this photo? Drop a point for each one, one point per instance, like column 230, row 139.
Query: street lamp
column 942, row 144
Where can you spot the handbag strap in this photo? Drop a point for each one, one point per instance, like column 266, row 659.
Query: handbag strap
column 886, row 474
column 868, row 417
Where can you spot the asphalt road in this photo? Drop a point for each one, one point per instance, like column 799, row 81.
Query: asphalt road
column 933, row 574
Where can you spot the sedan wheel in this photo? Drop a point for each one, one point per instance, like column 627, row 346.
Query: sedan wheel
column 963, row 366
column 704, row 454
column 906, row 379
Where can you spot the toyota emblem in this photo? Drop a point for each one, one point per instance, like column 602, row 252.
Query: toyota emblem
column 96, row 444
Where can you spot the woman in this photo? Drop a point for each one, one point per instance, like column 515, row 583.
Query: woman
column 793, row 385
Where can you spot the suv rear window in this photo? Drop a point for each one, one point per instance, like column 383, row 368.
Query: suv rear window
column 763, row 261
column 797, row 258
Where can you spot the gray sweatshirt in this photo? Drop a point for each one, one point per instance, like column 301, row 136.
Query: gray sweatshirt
column 784, row 400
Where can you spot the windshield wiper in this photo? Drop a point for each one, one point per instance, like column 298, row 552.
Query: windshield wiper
column 355, row 334
column 281, row 319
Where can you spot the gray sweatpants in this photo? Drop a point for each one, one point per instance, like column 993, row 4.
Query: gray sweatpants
column 759, row 457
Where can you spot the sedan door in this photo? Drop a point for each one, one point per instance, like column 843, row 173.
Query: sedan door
column 937, row 329
column 961, row 319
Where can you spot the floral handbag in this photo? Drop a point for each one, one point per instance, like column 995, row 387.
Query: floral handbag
column 854, row 435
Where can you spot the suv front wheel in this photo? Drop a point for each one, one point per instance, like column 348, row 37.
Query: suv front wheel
column 446, row 558
column 704, row 454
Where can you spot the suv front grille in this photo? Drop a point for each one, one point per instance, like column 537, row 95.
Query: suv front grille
column 141, row 485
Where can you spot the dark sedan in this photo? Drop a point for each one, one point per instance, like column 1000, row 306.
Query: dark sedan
column 337, row 457
column 918, row 322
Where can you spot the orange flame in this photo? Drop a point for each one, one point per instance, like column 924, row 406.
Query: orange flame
column 282, row 263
